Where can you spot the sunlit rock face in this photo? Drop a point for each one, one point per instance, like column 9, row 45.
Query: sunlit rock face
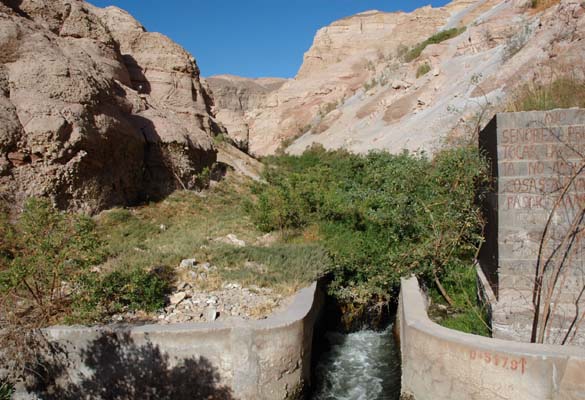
column 94, row 110
column 234, row 97
column 355, row 89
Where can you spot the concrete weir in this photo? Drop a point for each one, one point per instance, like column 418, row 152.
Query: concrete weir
column 236, row 359
column 443, row 364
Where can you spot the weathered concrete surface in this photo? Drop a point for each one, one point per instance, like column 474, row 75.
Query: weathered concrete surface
column 534, row 156
column 443, row 364
column 263, row 359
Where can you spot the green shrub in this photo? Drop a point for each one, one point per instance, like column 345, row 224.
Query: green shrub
column 423, row 69
column 45, row 257
column 380, row 216
column 126, row 290
column 439, row 37
column 6, row 390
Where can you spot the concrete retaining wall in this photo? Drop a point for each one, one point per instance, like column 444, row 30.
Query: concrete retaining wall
column 265, row 359
column 443, row 364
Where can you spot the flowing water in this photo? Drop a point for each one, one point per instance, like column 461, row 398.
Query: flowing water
column 363, row 365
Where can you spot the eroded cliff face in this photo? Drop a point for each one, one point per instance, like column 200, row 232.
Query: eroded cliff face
column 356, row 90
column 234, row 96
column 94, row 110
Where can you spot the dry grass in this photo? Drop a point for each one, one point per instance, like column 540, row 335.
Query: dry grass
column 559, row 93
column 541, row 5
column 187, row 224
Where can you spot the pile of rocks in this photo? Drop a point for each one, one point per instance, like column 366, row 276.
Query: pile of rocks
column 188, row 304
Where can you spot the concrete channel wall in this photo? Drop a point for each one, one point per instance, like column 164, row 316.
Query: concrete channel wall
column 265, row 359
column 443, row 364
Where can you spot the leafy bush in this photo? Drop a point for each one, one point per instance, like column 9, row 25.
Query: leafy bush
column 122, row 290
column 439, row 37
column 423, row 69
column 44, row 258
column 6, row 390
column 560, row 93
column 380, row 216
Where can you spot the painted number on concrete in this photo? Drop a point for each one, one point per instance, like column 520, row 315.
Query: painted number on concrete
column 512, row 364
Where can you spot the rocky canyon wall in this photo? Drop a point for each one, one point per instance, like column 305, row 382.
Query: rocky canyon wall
column 358, row 88
column 94, row 110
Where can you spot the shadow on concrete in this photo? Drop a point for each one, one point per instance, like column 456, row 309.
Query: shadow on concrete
column 123, row 370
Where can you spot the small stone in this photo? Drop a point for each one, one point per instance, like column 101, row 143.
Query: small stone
column 231, row 286
column 188, row 263
column 436, row 72
column 211, row 300
column 442, row 307
column 177, row 298
column 205, row 266
column 232, row 239
column 211, row 314
column 162, row 227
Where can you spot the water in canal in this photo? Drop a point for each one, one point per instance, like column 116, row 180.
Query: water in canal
column 363, row 365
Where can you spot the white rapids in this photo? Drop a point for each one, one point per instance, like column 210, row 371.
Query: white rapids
column 359, row 366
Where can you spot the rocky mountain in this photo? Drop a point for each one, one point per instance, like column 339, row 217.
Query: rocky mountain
column 234, row 96
column 390, row 81
column 94, row 110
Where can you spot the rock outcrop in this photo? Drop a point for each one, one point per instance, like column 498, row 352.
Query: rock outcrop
column 94, row 110
column 357, row 90
column 234, row 96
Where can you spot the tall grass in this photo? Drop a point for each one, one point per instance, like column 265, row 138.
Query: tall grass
column 563, row 92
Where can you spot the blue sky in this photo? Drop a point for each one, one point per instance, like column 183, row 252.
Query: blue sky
column 252, row 38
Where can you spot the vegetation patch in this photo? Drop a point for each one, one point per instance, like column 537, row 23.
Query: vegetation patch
column 439, row 37
column 6, row 390
column 465, row 314
column 559, row 93
column 380, row 217
column 540, row 5
column 423, row 69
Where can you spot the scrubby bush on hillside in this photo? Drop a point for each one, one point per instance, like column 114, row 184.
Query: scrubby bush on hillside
column 380, row 216
column 423, row 69
column 439, row 37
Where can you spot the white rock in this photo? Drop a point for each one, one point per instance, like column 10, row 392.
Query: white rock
column 177, row 298
column 211, row 300
column 396, row 84
column 188, row 263
column 211, row 314
column 232, row 239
